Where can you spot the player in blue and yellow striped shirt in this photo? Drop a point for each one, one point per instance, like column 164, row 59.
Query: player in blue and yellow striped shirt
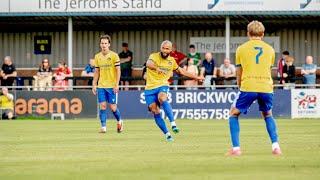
column 254, row 60
column 108, row 73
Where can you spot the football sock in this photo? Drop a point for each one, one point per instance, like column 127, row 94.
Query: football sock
column 168, row 134
column 272, row 128
column 168, row 110
column 117, row 114
column 173, row 123
column 234, row 130
column 275, row 145
column 103, row 117
column 161, row 124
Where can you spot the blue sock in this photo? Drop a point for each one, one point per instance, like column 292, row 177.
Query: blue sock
column 272, row 128
column 168, row 110
column 117, row 114
column 161, row 124
column 234, row 130
column 103, row 117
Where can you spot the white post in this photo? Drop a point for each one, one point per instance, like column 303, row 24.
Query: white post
column 70, row 34
column 227, row 37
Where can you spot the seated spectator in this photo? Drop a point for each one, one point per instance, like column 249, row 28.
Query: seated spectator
column 89, row 71
column 7, row 105
column 288, row 73
column 8, row 70
column 281, row 62
column 61, row 76
column 190, row 67
column 309, row 71
column 180, row 58
column 126, row 62
column 208, row 70
column 195, row 56
column 228, row 72
column 43, row 79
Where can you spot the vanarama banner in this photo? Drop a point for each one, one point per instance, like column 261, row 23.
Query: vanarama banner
column 74, row 104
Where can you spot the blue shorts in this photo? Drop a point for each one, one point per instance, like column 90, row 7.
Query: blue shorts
column 107, row 95
column 244, row 100
column 152, row 94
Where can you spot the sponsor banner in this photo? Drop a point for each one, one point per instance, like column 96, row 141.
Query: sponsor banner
column 128, row 6
column 74, row 104
column 197, row 104
column 218, row 44
column 305, row 103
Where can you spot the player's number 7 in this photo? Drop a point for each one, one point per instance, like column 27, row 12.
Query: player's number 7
column 259, row 54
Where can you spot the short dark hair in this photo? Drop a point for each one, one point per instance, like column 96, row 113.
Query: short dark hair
column 124, row 44
column 285, row 53
column 192, row 46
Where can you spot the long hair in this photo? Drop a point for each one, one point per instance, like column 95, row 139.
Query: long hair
column 63, row 63
column 42, row 65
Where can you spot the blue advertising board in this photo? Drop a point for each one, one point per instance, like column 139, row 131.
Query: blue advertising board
column 198, row 104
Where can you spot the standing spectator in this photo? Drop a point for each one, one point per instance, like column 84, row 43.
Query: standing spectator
column 208, row 70
column 309, row 71
column 180, row 58
column 288, row 73
column 61, row 76
column 8, row 70
column 192, row 69
column 89, row 71
column 281, row 63
column 6, row 101
column 195, row 56
column 126, row 63
column 44, row 76
column 228, row 72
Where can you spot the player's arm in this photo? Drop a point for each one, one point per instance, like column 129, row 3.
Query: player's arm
column 152, row 66
column 239, row 76
column 183, row 72
column 118, row 75
column 96, row 76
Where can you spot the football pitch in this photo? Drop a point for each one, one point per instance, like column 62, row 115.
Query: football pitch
column 73, row 149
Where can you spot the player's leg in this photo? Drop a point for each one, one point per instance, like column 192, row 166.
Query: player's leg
column 153, row 105
column 102, row 99
column 240, row 105
column 265, row 106
column 112, row 99
column 162, row 98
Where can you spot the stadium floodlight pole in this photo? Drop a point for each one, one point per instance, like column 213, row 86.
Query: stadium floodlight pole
column 227, row 36
column 70, row 34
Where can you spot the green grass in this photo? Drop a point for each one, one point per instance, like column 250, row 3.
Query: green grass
column 74, row 150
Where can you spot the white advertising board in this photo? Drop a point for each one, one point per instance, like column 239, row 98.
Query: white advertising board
column 305, row 103
column 127, row 6
column 218, row 44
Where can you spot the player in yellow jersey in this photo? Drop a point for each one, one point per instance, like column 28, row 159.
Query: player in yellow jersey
column 106, row 82
column 254, row 60
column 160, row 67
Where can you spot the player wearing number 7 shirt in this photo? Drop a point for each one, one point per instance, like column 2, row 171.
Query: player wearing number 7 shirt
column 160, row 66
column 254, row 60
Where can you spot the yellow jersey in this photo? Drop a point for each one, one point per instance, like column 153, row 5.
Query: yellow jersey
column 256, row 59
column 155, row 80
column 6, row 103
column 107, row 65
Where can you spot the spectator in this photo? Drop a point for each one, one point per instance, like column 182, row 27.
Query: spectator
column 309, row 71
column 288, row 73
column 180, row 58
column 126, row 63
column 6, row 101
column 208, row 70
column 281, row 63
column 191, row 68
column 195, row 56
column 228, row 72
column 44, row 76
column 8, row 70
column 61, row 76
column 89, row 71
